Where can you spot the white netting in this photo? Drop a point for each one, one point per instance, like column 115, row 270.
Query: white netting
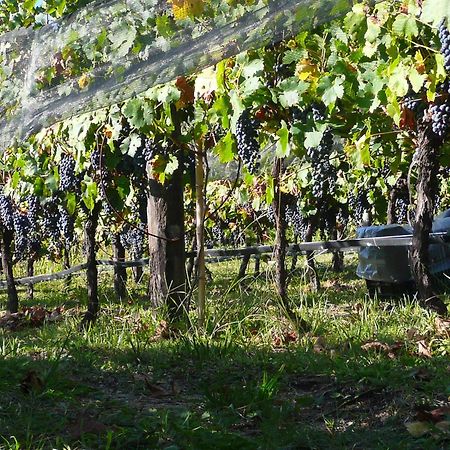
column 110, row 51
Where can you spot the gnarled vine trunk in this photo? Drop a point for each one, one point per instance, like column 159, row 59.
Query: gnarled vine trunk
column 6, row 241
column 279, row 208
column 427, row 159
column 165, row 211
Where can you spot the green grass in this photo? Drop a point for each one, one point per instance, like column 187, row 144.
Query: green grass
column 255, row 378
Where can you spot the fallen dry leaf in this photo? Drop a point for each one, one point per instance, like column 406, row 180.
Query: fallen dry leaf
column 423, row 349
column 390, row 350
column 155, row 390
column 442, row 326
column 375, row 345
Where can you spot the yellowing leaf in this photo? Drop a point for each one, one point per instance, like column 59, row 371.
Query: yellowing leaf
column 305, row 70
column 84, row 81
column 187, row 8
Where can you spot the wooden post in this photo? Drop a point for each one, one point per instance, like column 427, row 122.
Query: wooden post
column 200, row 234
column 120, row 273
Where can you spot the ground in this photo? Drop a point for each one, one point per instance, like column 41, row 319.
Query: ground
column 347, row 371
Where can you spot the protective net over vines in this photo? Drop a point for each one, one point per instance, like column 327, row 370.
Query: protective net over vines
column 110, row 51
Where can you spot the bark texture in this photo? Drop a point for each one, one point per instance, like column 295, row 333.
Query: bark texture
column 165, row 212
column 279, row 207
column 90, row 229
column 427, row 158
column 6, row 241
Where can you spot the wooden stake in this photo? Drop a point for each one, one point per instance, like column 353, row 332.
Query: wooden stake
column 200, row 233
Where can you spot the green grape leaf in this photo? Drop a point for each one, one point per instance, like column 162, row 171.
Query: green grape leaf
column 225, row 148
column 291, row 90
column 283, row 148
column 253, row 68
column 416, row 79
column 434, row 11
column 171, row 165
column 90, row 194
column 71, row 202
column 313, row 138
column 373, row 30
column 270, row 190
column 331, row 90
column 405, row 26
column 294, row 55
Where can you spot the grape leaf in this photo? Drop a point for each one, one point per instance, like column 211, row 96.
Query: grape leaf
column 291, row 92
column 283, row 148
column 224, row 148
column 434, row 11
column 313, row 138
column 405, row 26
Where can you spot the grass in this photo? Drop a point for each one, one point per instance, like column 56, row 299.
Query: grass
column 253, row 379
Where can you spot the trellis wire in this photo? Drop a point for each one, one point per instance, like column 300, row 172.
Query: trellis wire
column 219, row 255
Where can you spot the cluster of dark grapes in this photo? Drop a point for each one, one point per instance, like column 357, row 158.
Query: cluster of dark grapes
column 50, row 222
column 22, row 229
column 6, row 212
column 437, row 203
column 68, row 181
column 270, row 214
column 144, row 154
column 358, row 204
column 33, row 209
column 96, row 159
column 133, row 239
column 385, row 171
column 98, row 165
column 66, row 224
column 218, row 235
column 327, row 221
column 139, row 207
column 444, row 37
column 342, row 216
column 412, row 103
column 440, row 115
column 247, row 141
column 294, row 217
column 324, row 174
column 298, row 115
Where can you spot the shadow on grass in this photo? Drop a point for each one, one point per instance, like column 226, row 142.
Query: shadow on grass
column 194, row 393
